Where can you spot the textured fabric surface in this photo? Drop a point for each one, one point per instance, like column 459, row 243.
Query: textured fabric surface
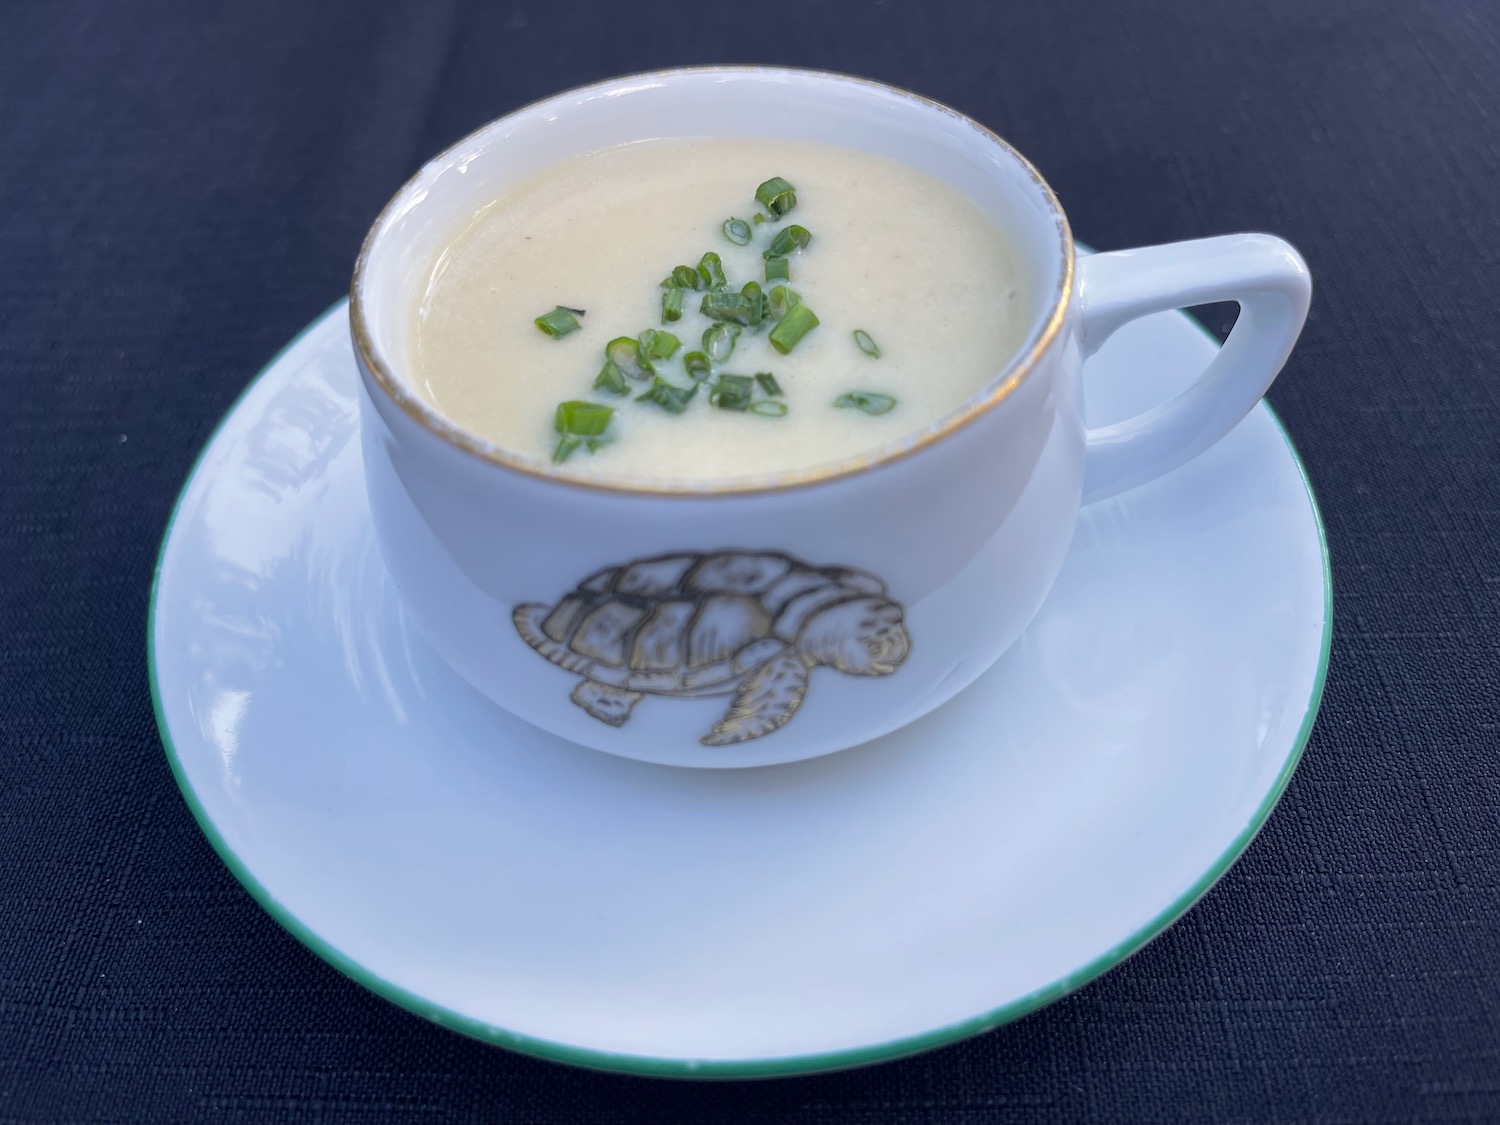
column 183, row 187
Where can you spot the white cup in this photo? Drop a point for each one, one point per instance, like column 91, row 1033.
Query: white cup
column 800, row 614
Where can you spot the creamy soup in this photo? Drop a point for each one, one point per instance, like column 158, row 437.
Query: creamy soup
column 902, row 303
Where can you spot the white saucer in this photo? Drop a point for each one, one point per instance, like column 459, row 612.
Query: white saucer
column 976, row 865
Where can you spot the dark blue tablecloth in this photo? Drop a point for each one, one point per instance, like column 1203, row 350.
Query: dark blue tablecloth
column 183, row 186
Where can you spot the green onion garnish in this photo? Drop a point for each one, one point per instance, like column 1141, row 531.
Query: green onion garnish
column 582, row 419
column 626, row 354
column 755, row 303
column 768, row 383
column 564, row 450
column 782, row 299
column 697, row 364
column 868, row 401
column 778, row 269
column 711, row 269
column 738, row 308
column 737, row 231
column 777, row 196
column 788, row 240
column 559, row 322
column 797, row 323
column 866, row 345
column 671, row 398
column 732, row 392
column 611, row 379
column 768, row 409
column 686, row 277
column 719, row 340
column 671, row 304
column 757, row 218
column 659, row 345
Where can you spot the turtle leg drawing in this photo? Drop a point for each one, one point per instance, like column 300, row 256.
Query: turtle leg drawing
column 610, row 705
column 764, row 703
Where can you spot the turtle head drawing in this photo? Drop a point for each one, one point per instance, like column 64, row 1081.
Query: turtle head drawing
column 862, row 637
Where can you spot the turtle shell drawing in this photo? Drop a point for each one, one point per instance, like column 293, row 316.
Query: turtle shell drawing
column 748, row 624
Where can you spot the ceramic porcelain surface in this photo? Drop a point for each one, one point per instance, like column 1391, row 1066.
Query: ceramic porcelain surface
column 983, row 860
column 718, row 626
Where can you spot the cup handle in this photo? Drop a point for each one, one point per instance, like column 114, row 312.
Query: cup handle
column 1269, row 280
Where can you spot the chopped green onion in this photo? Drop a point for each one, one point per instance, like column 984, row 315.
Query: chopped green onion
column 565, row 448
column 768, row 409
column 778, row 269
column 777, row 196
column 866, row 345
column 626, row 353
column 868, row 401
column 724, row 304
column 788, row 240
column 668, row 282
column 755, row 302
column 758, row 218
column 582, row 419
column 711, row 269
column 697, row 364
column 782, row 299
column 673, row 399
column 559, row 322
column 797, row 323
column 686, row 277
column 671, row 305
column 611, row 379
column 737, row 231
column 732, row 392
column 768, row 383
column 719, row 340
column 659, row 345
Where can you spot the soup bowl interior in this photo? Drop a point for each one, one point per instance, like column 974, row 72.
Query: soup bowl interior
column 412, row 232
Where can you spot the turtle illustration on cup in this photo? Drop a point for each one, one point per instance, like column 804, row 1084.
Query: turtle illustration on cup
column 749, row 624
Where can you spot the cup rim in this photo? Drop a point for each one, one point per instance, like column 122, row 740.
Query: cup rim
column 997, row 388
